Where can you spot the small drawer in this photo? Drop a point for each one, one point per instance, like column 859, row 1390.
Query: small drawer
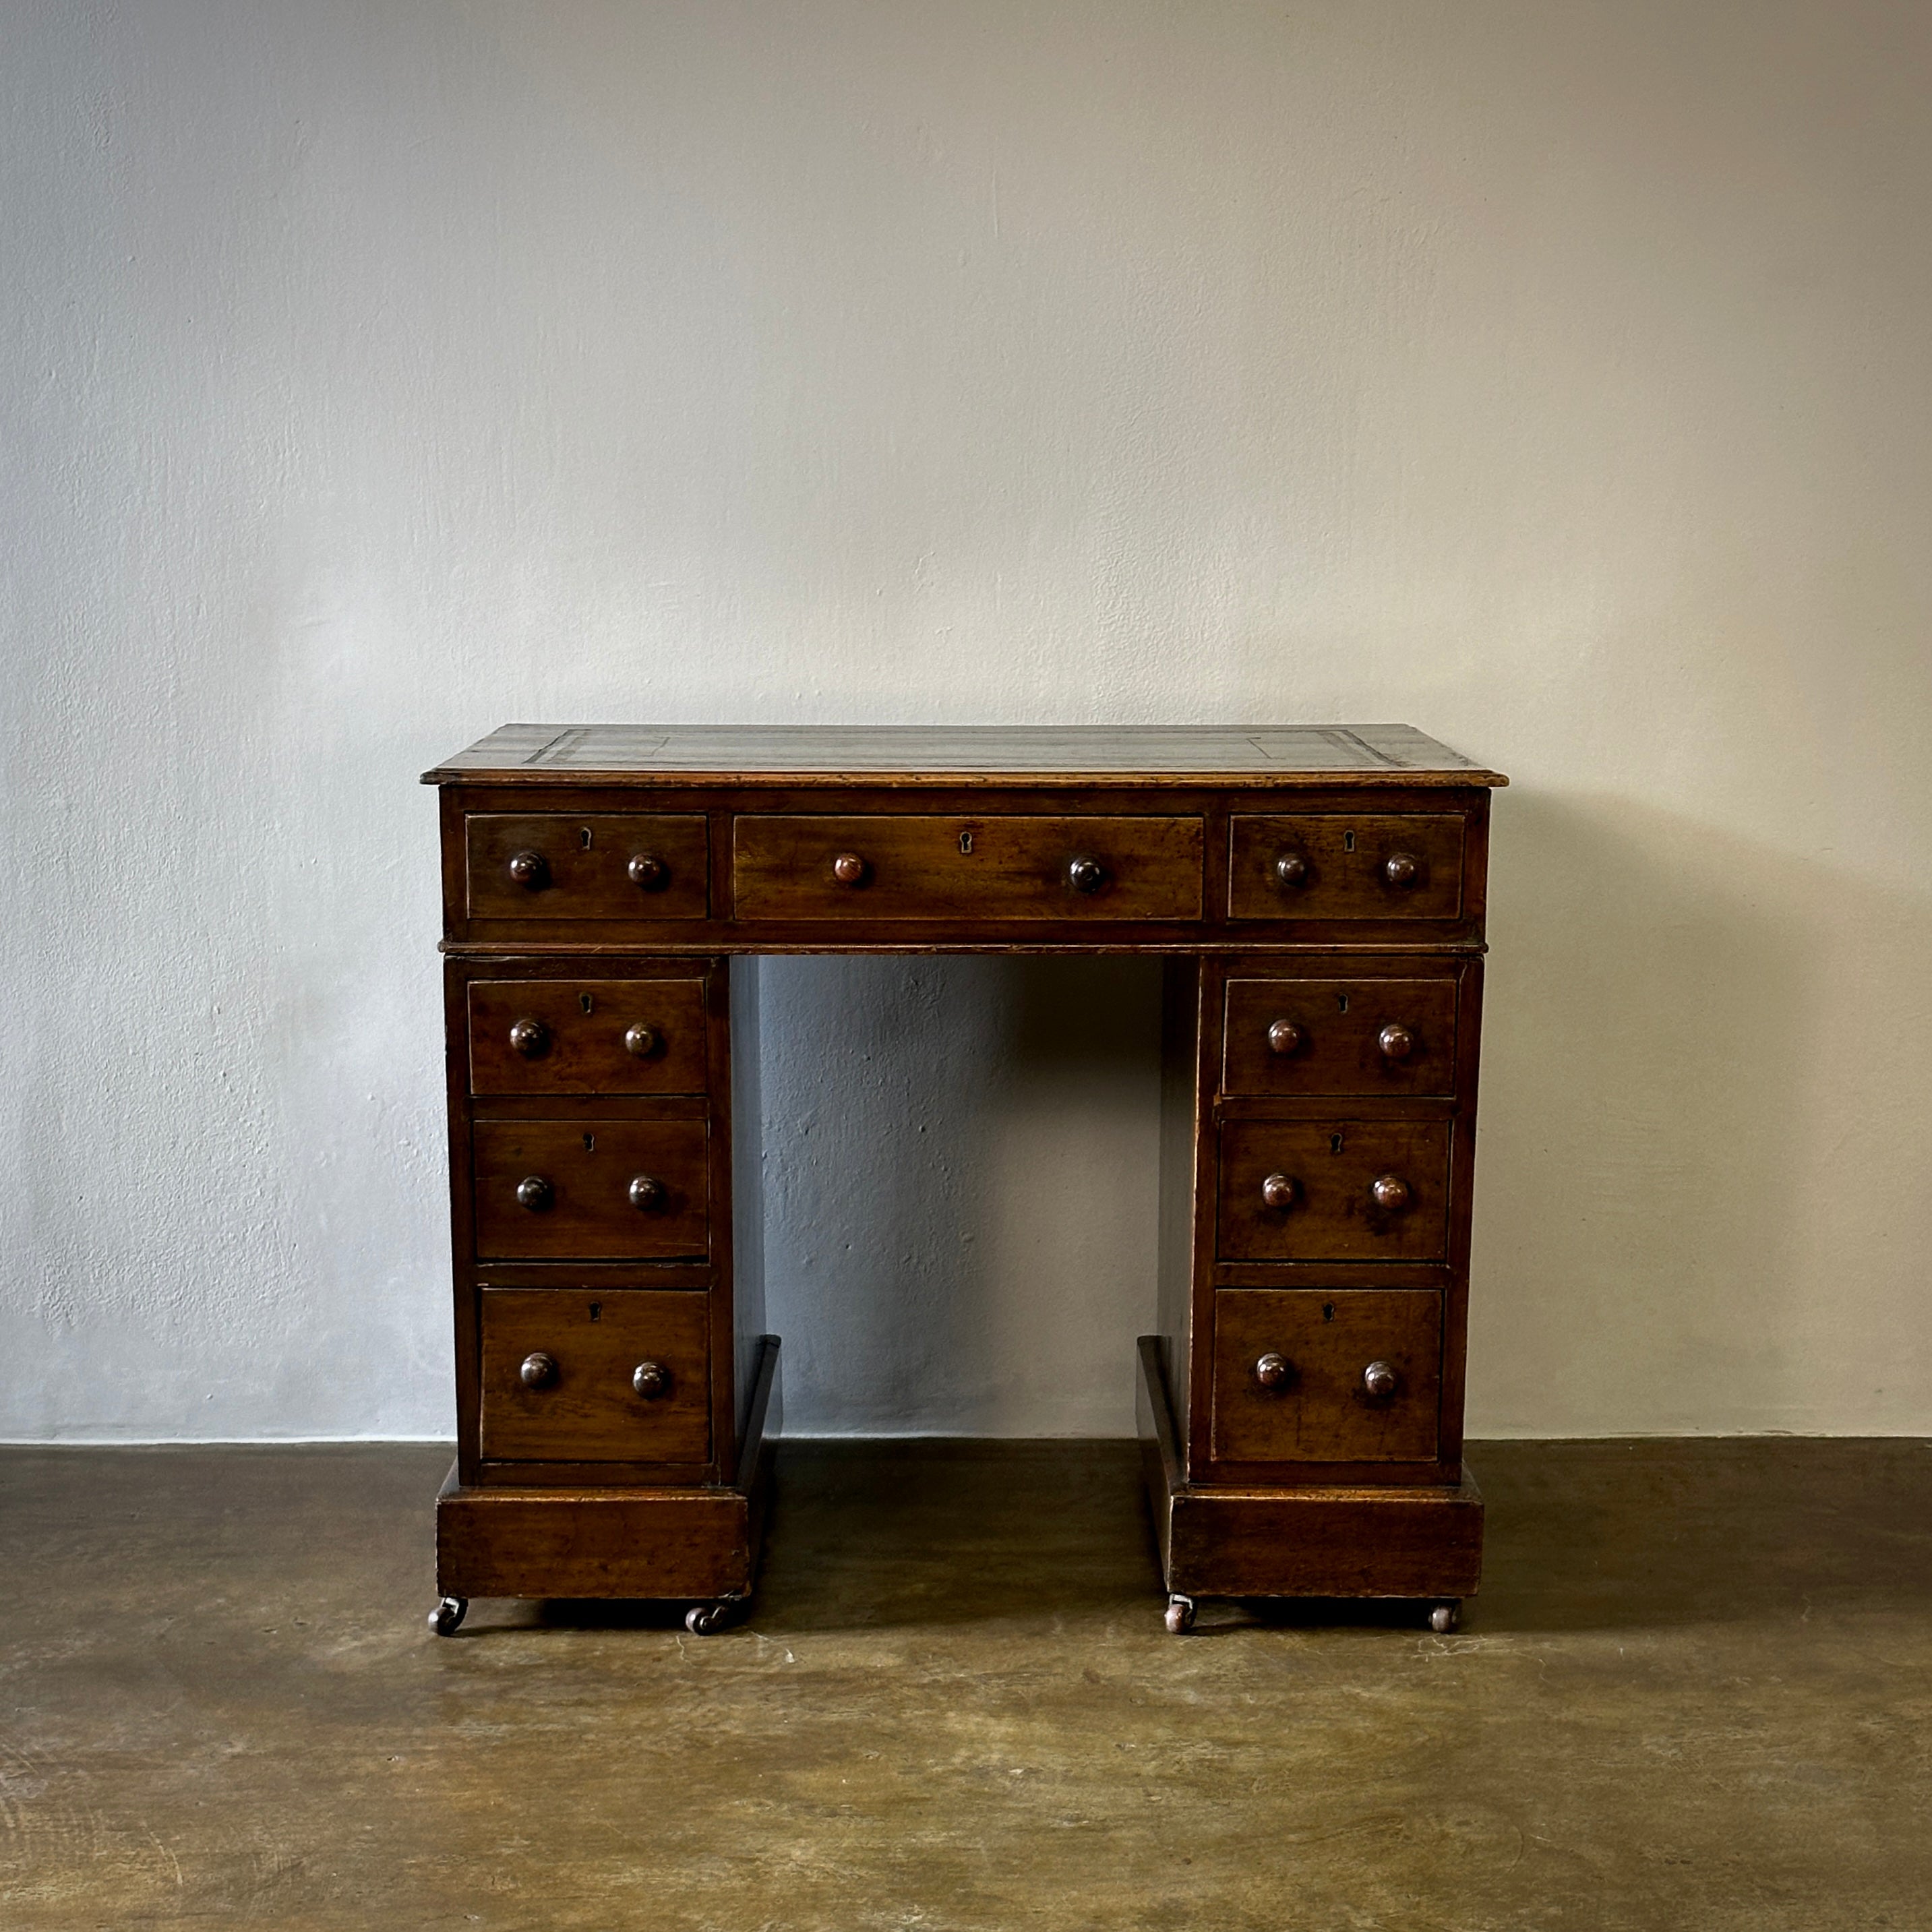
column 930, row 868
column 1334, row 1190
column 1340, row 865
column 1326, row 1376
column 587, row 1036
column 603, row 865
column 575, row 1376
column 608, row 1190
column 1339, row 1036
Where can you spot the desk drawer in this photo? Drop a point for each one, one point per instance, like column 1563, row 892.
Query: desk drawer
column 554, row 864
column 573, row 1376
column 587, row 1036
column 1334, row 1190
column 1339, row 1036
column 1326, row 1376
column 608, row 1190
column 930, row 868
column 1345, row 865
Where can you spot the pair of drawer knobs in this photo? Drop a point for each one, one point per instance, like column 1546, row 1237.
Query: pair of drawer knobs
column 1083, row 875
column 650, row 1379
column 1400, row 871
column 645, row 871
column 1396, row 1041
column 531, row 1038
column 1378, row 1379
column 646, row 1192
column 1389, row 1191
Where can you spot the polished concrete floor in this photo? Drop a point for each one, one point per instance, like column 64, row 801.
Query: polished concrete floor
column 1695, row 1693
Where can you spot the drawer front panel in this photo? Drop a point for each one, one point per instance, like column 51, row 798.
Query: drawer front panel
column 1336, row 865
column 609, row 1190
column 571, row 1376
column 555, row 865
column 587, row 1036
column 1326, row 1376
column 1334, row 1190
column 931, row 867
column 1339, row 1036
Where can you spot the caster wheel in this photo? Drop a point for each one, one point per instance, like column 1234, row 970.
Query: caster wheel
column 1445, row 1616
column 705, row 1619
column 1180, row 1612
column 447, row 1615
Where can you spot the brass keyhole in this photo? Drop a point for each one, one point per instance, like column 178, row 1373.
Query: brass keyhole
column 584, row 1000
column 583, row 837
column 1334, row 1143
column 1348, row 842
column 1342, row 1003
column 965, row 841
column 590, row 1143
column 597, row 1311
column 1327, row 1312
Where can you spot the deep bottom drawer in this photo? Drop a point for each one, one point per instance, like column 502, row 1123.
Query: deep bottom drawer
column 574, row 1376
column 1326, row 1376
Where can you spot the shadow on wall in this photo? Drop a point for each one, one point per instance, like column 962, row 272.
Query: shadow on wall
column 960, row 1162
column 1673, row 1174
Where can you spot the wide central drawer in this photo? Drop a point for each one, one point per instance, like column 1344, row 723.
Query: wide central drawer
column 573, row 1376
column 608, row 1190
column 930, row 867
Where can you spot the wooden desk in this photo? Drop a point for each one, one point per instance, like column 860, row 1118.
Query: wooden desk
column 1317, row 894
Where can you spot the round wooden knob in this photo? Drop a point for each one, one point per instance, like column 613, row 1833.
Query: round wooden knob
column 538, row 1371
column 1397, row 1041
column 530, row 1038
column 642, row 1041
column 849, row 869
column 647, row 1193
column 1285, row 1037
column 1378, row 1380
column 650, row 1380
column 1292, row 871
column 1272, row 1370
column 648, row 872
column 530, row 870
column 1391, row 1193
column 1402, row 870
column 1086, row 875
column 534, row 1192
column 1278, row 1190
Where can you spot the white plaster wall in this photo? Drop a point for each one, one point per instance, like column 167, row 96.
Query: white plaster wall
column 1554, row 377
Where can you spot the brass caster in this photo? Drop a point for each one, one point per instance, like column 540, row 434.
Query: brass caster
column 1444, row 1616
column 705, row 1619
column 1180, row 1612
column 447, row 1615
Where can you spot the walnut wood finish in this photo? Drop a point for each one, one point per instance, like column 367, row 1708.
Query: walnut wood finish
column 1318, row 894
column 990, row 865
column 1357, row 1190
column 584, row 1175
column 1345, row 865
column 1340, row 1037
column 1293, row 1381
column 587, row 865
column 587, row 1036
column 585, row 1405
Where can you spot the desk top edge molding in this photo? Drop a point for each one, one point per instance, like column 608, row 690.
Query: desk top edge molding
column 1259, row 757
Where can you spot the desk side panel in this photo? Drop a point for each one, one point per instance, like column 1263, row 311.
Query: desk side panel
column 748, row 1198
column 1180, row 1142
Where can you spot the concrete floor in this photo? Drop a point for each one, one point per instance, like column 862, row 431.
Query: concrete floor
column 1696, row 1693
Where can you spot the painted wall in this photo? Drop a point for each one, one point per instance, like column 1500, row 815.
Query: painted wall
column 1553, row 377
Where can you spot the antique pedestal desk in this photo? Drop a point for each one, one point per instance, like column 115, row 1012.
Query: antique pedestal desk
column 1316, row 894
